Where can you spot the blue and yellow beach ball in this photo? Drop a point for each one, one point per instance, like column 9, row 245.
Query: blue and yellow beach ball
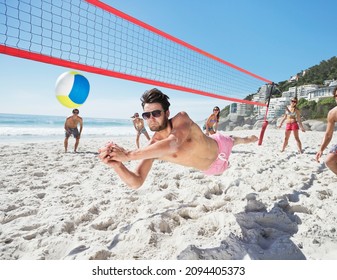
column 72, row 89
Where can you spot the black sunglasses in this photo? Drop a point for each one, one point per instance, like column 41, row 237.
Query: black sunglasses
column 155, row 114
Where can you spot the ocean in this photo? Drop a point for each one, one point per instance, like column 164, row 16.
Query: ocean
column 23, row 128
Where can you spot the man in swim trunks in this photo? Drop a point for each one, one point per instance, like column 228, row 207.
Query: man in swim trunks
column 138, row 123
column 178, row 140
column 70, row 127
column 331, row 159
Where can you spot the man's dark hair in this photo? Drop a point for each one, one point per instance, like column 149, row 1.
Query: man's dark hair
column 334, row 91
column 155, row 96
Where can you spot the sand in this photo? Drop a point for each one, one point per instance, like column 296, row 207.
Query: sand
column 267, row 205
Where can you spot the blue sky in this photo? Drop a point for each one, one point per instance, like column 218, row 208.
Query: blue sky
column 273, row 39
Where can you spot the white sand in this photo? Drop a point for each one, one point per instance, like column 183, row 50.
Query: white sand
column 267, row 205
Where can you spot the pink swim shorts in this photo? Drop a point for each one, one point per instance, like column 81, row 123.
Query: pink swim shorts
column 333, row 150
column 225, row 145
column 292, row 126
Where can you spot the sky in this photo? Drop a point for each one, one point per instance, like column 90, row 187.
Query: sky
column 273, row 39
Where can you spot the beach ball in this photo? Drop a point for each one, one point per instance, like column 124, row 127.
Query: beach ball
column 72, row 89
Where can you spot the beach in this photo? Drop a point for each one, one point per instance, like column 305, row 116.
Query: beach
column 70, row 206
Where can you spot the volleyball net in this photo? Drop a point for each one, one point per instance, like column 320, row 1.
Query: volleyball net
column 92, row 36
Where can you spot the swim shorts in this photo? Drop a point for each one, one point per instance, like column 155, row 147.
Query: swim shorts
column 73, row 131
column 333, row 150
column 292, row 126
column 225, row 145
column 143, row 130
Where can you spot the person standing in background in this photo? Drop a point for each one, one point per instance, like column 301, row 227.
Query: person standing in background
column 292, row 117
column 138, row 123
column 213, row 121
column 70, row 127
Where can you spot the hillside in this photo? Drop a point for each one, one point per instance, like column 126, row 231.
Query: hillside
column 326, row 70
column 318, row 74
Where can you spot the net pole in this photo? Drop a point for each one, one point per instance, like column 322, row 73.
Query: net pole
column 265, row 122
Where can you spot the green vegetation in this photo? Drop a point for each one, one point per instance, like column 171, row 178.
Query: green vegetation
column 316, row 110
column 326, row 70
column 224, row 112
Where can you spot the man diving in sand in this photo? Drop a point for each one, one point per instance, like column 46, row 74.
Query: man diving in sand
column 178, row 140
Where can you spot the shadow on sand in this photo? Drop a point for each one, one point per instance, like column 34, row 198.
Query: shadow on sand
column 265, row 236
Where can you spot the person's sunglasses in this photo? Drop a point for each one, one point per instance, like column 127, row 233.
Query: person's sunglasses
column 294, row 101
column 75, row 112
column 155, row 114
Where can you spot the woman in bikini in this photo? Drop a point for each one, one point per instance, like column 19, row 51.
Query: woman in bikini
column 292, row 117
column 212, row 121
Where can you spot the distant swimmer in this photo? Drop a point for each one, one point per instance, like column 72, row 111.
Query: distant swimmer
column 178, row 140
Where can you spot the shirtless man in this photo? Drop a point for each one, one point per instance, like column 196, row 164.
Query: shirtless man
column 178, row 140
column 331, row 159
column 138, row 123
column 70, row 126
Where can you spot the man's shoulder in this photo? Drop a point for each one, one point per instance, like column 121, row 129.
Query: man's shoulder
column 181, row 118
column 334, row 109
column 181, row 114
column 332, row 115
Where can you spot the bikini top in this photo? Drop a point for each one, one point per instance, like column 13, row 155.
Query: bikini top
column 213, row 119
column 291, row 114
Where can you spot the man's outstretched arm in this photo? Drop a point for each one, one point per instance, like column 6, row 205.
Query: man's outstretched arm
column 133, row 179
column 157, row 149
column 327, row 136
